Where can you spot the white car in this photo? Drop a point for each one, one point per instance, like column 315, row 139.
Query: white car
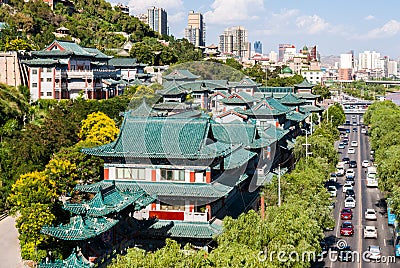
column 332, row 191
column 370, row 232
column 347, row 186
column 374, row 253
column 350, row 173
column 351, row 151
column 370, row 214
column 363, row 131
column 333, row 177
column 354, row 144
column 349, row 202
column 365, row 163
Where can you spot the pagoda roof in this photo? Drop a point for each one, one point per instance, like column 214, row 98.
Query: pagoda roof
column 246, row 82
column 183, row 229
column 268, row 106
column 187, row 114
column 310, row 109
column 162, row 137
column 168, row 189
column 291, row 99
column 223, row 93
column 123, row 62
column 143, row 110
column 97, row 53
column 238, row 98
column 240, row 133
column 304, row 84
column 307, row 96
column 109, row 200
column 42, row 62
column 180, row 75
column 173, row 88
column 273, row 132
column 75, row 260
column 296, row 116
column 276, row 89
column 80, row 228
column 64, row 48
column 174, row 106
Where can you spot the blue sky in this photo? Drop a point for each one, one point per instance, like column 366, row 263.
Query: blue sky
column 335, row 26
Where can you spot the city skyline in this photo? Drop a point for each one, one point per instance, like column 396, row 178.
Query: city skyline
column 335, row 29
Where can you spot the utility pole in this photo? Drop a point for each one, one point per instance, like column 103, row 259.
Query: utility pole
column 307, row 144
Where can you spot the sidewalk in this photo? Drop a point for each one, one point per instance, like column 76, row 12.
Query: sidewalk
column 10, row 255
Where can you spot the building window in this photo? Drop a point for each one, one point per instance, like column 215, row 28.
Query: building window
column 34, row 84
column 172, row 175
column 49, row 70
column 49, row 94
column 41, row 79
column 34, row 71
column 48, row 79
column 131, row 173
column 164, row 206
column 42, row 94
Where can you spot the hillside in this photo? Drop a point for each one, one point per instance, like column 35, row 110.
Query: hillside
column 93, row 22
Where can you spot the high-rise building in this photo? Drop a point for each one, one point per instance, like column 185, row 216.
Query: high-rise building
column 281, row 51
column 346, row 61
column 258, row 47
column 195, row 32
column 234, row 40
column 273, row 57
column 392, row 68
column 369, row 60
column 157, row 20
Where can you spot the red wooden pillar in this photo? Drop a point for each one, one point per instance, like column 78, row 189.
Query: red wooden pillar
column 106, row 173
column 208, row 176
column 208, row 207
column 192, row 176
column 153, row 175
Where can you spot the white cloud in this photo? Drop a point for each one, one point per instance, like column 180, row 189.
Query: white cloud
column 177, row 17
column 369, row 17
column 389, row 29
column 140, row 6
column 312, row 24
column 227, row 12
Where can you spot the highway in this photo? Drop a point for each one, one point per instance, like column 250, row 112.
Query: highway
column 365, row 198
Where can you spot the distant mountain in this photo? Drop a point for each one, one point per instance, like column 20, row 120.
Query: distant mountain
column 327, row 61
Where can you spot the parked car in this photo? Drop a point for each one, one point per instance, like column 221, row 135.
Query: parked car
column 350, row 202
column 374, row 253
column 354, row 144
column 353, row 163
column 365, row 163
column 345, row 159
column 346, row 228
column 347, row 186
column 346, row 214
column 345, row 142
column 350, row 193
column 332, row 191
column 363, row 131
column 370, row 232
column 370, row 214
column 341, row 145
column 351, row 151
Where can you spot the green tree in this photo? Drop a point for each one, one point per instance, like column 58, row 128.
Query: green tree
column 335, row 115
column 323, row 91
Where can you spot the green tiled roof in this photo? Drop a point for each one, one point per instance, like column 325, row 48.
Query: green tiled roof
column 273, row 132
column 143, row 110
column 307, row 96
column 291, row 99
column 173, row 106
column 123, row 62
column 310, row 109
column 183, row 229
column 246, row 82
column 165, row 188
column 80, row 228
column 296, row 116
column 98, row 54
column 162, row 137
column 239, row 98
column 187, row 114
column 269, row 106
column 52, row 53
column 75, row 260
column 173, row 88
column 238, row 158
column 41, row 62
column 109, row 200
column 180, row 75
column 304, row 84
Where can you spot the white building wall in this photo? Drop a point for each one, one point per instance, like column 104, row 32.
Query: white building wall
column 346, row 61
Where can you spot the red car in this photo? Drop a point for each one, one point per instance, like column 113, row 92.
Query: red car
column 347, row 229
column 346, row 214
